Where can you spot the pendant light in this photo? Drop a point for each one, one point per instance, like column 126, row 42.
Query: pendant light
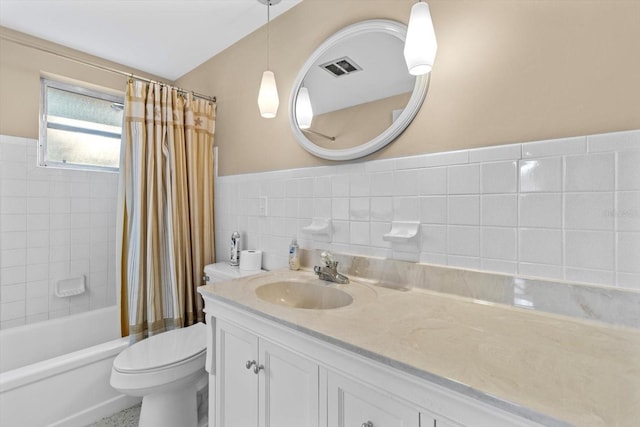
column 268, row 100
column 420, row 47
column 304, row 111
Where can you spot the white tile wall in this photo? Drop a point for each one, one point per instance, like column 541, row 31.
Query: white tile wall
column 559, row 209
column 54, row 224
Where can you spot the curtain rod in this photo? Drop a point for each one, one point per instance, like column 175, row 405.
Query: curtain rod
column 100, row 67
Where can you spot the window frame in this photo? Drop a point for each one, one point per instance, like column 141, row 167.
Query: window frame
column 45, row 84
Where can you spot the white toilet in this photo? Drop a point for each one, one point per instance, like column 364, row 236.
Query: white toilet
column 167, row 371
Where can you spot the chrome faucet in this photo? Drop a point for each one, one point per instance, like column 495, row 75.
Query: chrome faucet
column 329, row 271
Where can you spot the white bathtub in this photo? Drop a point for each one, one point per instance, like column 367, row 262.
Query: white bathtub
column 56, row 373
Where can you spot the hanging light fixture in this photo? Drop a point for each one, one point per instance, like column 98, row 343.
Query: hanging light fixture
column 304, row 111
column 421, row 46
column 268, row 100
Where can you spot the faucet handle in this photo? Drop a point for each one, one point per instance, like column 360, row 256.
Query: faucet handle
column 327, row 258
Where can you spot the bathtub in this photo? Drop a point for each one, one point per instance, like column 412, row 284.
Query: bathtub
column 56, row 373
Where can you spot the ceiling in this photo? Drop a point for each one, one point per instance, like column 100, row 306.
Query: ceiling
column 167, row 38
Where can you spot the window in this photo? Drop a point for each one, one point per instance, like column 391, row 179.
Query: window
column 80, row 128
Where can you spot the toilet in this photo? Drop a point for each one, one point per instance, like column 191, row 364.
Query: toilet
column 167, row 371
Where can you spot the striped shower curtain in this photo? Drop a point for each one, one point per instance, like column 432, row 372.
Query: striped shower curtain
column 165, row 208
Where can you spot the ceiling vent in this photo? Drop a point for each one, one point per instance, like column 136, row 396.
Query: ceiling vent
column 341, row 67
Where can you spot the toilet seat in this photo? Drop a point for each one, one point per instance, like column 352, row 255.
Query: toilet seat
column 163, row 351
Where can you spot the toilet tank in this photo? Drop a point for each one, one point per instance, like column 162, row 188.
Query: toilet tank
column 222, row 271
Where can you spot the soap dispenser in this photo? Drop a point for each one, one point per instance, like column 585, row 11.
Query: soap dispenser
column 294, row 255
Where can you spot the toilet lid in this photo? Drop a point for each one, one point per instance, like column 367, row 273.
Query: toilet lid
column 167, row 348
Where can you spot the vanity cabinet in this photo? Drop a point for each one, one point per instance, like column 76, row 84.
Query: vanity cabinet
column 353, row 404
column 269, row 374
column 262, row 384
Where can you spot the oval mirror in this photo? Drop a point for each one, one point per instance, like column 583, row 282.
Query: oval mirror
column 354, row 94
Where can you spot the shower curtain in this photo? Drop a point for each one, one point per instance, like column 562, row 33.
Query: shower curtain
column 165, row 208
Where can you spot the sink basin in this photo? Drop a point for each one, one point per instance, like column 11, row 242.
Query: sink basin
column 303, row 295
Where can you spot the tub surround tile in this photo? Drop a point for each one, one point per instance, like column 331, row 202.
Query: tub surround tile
column 48, row 214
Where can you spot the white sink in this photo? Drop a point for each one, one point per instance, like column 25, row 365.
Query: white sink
column 303, row 295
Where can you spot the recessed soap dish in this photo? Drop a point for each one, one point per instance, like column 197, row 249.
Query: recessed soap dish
column 402, row 231
column 70, row 287
column 318, row 226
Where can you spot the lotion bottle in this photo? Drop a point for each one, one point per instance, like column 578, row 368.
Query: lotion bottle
column 294, row 255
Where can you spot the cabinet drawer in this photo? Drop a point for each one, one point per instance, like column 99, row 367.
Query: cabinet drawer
column 352, row 404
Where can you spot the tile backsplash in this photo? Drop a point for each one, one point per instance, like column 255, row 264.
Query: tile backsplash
column 54, row 224
column 565, row 209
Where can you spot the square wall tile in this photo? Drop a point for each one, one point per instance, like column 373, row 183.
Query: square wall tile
column 381, row 208
column 359, row 233
column 590, row 249
column 433, row 181
column 359, row 209
column 542, row 210
column 541, row 175
column 499, row 210
column 628, row 170
column 13, row 240
column 499, row 177
column 588, row 211
column 359, row 185
column 433, row 210
column 463, row 240
column 406, row 209
column 406, row 182
column 627, row 211
column 340, row 208
column 590, row 172
column 322, row 207
column 433, row 238
column 341, row 232
column 628, row 252
column 499, row 243
column 464, row 210
column 540, row 246
column 377, row 230
column 382, row 184
column 463, row 179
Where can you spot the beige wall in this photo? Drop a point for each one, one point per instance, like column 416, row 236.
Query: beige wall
column 20, row 71
column 506, row 71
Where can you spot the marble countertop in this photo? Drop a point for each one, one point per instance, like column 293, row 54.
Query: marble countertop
column 543, row 366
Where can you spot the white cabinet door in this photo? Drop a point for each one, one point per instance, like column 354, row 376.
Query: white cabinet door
column 289, row 388
column 278, row 389
column 430, row 420
column 352, row 404
column 236, row 386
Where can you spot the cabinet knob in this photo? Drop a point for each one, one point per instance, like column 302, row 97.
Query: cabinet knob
column 367, row 424
column 258, row 368
column 250, row 363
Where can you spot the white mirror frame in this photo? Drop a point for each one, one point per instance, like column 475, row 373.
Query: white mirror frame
column 387, row 26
